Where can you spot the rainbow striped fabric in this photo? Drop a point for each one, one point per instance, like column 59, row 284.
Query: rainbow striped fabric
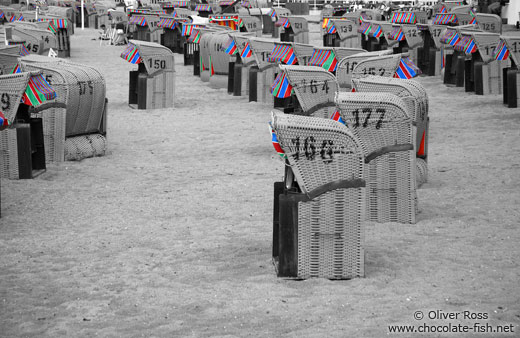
column 376, row 31
column 444, row 19
column 211, row 69
column 283, row 54
column 38, row 91
column 466, row 44
column 443, row 10
column 404, row 17
column 246, row 52
column 325, row 23
column 2, row 15
column 364, row 28
column 451, row 37
column 226, row 3
column 56, row 24
column 169, row 23
column 276, row 144
column 331, row 29
column 186, row 30
column 195, row 37
column 337, row 117
column 4, row 123
column 396, row 34
column 283, row 22
column 501, row 53
column 407, row 69
column 230, row 47
column 203, row 8
column 324, row 58
column 272, row 13
column 281, row 87
column 231, row 21
column 23, row 50
column 181, row 4
column 131, row 54
column 137, row 20
column 16, row 69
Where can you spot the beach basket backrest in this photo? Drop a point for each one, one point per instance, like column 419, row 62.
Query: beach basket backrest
column 346, row 29
column 319, row 151
column 385, row 66
column 12, row 88
column 9, row 60
column 315, row 88
column 436, row 32
column 412, row 35
column 33, row 37
column 261, row 49
column 251, row 23
column 303, row 52
column 512, row 43
column 346, row 66
column 242, row 43
column 465, row 19
column 489, row 22
column 343, row 52
column 486, row 44
column 298, row 24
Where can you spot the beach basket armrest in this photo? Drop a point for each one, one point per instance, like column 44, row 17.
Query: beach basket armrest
column 388, row 149
column 339, row 184
column 42, row 107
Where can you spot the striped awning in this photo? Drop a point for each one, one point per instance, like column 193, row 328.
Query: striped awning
column 203, row 8
column 466, row 44
column 2, row 15
column 364, row 28
column 232, row 21
column 376, row 31
column 225, row 3
column 23, row 50
column 137, row 11
column 451, row 37
column 38, row 91
column 404, row 17
column 230, row 46
column 131, row 54
column 181, row 4
column 4, row 123
column 281, row 87
column 406, row 69
column 444, row 19
column 187, row 29
column 246, row 4
column 169, row 23
column 283, row 22
column 195, row 36
column 501, row 53
column 137, row 20
column 55, row 24
column 284, row 54
column 325, row 59
column 396, row 34
column 330, row 28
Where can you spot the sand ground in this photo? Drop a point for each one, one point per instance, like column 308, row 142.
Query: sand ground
column 169, row 234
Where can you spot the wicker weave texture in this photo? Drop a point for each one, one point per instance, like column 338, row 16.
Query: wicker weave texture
column 12, row 88
column 85, row 146
column 314, row 87
column 9, row 154
column 330, row 226
column 380, row 120
column 385, row 66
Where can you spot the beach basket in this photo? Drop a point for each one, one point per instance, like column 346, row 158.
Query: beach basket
column 37, row 41
column 396, row 65
column 382, row 124
column 276, row 13
column 507, row 50
column 146, row 28
column 293, row 29
column 264, row 69
column 22, row 148
column 152, row 85
column 69, row 130
column 347, row 64
column 341, row 33
column 320, row 231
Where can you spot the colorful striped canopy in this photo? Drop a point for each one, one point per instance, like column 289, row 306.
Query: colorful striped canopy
column 195, row 37
column 325, row 23
column 407, row 69
column 337, row 117
column 169, row 23
column 276, row 144
column 444, row 19
column 272, row 13
column 131, row 54
column 4, row 123
column 281, row 87
column 396, row 34
column 2, row 15
column 183, row 4
column 364, row 28
column 187, row 29
column 137, row 11
column 324, row 58
column 231, row 21
column 331, row 29
column 246, row 52
column 226, row 3
column 137, row 20
column 230, row 47
column 283, row 54
column 23, row 50
column 203, row 8
column 451, row 37
column 376, row 31
column 404, row 17
column 38, row 91
column 501, row 53
column 56, row 24
column 283, row 22
column 16, row 69
column 466, row 44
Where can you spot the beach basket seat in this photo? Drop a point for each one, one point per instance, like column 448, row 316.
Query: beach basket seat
column 341, row 33
column 320, row 230
column 37, row 41
column 415, row 97
column 293, row 29
column 383, row 125
column 152, row 85
column 347, row 64
column 507, row 50
column 22, row 148
column 77, row 130
column 314, row 89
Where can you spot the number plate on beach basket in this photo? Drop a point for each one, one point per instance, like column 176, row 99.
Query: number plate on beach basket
column 384, row 128
column 152, row 85
column 347, row 64
column 82, row 90
column 321, row 231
